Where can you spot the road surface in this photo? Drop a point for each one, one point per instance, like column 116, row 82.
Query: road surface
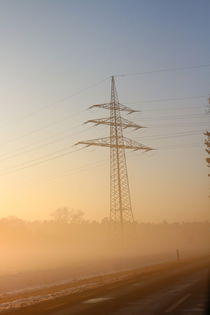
column 180, row 288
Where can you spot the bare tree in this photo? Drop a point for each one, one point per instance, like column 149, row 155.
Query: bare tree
column 64, row 215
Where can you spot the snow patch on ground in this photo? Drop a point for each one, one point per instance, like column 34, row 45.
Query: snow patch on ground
column 28, row 301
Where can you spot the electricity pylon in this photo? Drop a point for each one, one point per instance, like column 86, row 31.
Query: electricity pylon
column 120, row 200
column 207, row 143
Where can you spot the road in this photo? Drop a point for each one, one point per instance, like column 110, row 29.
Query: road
column 177, row 289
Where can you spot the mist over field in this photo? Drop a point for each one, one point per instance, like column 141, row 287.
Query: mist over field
column 69, row 247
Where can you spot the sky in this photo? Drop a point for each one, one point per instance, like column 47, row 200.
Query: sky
column 56, row 59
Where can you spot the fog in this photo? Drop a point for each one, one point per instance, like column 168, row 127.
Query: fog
column 69, row 247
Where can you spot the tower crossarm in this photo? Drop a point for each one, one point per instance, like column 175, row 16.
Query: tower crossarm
column 134, row 145
column 125, row 143
column 118, row 106
column 124, row 123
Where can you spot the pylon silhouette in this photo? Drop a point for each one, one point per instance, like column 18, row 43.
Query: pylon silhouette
column 120, row 200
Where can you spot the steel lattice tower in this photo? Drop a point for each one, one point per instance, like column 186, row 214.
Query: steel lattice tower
column 207, row 143
column 120, row 200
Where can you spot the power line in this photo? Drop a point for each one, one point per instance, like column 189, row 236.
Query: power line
column 81, row 168
column 184, row 146
column 163, row 70
column 31, row 144
column 37, row 160
column 175, row 135
column 182, row 115
column 44, row 159
column 176, row 119
column 99, row 82
column 26, row 148
column 49, row 106
column 177, row 108
column 168, row 99
column 19, row 152
column 48, row 126
column 11, row 156
column 34, row 161
column 76, row 170
column 96, row 84
column 55, row 103
column 41, row 162
column 70, row 116
column 41, row 128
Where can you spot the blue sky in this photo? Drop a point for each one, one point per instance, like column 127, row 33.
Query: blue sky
column 51, row 49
